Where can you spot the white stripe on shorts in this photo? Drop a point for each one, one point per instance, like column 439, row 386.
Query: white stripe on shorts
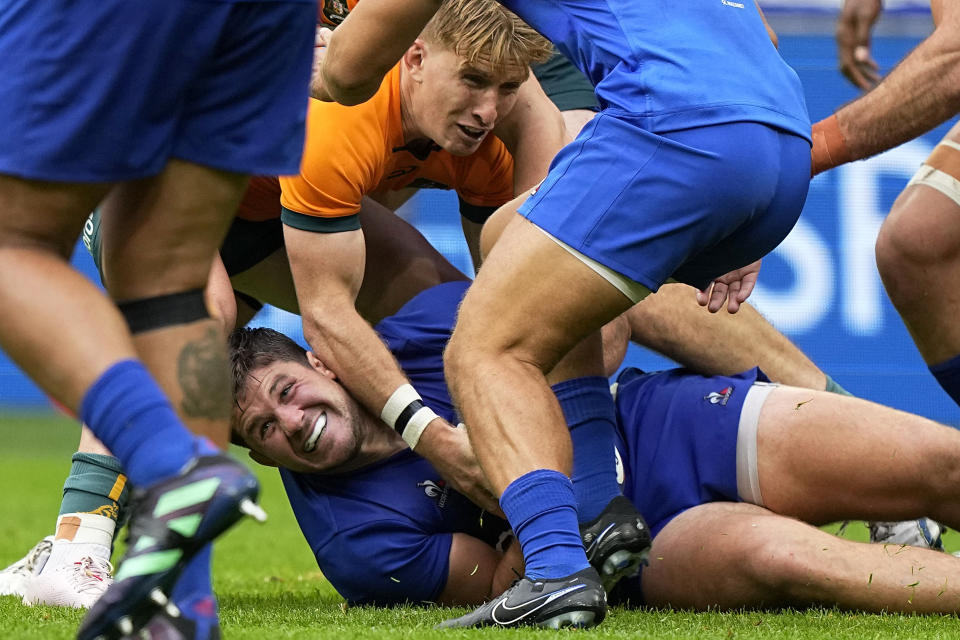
column 748, row 482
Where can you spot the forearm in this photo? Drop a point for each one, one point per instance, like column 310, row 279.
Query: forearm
column 920, row 93
column 670, row 322
column 354, row 351
column 367, row 45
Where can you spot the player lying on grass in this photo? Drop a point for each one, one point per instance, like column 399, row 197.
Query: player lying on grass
column 253, row 254
column 728, row 470
column 395, row 248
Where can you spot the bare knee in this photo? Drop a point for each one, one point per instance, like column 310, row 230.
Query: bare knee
column 919, row 234
column 939, row 476
column 782, row 571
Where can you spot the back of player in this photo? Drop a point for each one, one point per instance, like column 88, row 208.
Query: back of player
column 679, row 65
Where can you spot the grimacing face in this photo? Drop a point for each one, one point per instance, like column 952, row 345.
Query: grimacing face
column 298, row 417
column 457, row 104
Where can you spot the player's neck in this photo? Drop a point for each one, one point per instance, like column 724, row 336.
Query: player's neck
column 377, row 442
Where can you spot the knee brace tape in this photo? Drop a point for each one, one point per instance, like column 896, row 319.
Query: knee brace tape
column 941, row 170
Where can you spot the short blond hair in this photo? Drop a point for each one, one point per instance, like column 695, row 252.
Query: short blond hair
column 484, row 32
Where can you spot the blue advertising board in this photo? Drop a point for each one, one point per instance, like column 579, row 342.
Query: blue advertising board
column 820, row 287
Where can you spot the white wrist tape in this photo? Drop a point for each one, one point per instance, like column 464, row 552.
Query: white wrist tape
column 411, row 434
column 398, row 401
column 405, row 412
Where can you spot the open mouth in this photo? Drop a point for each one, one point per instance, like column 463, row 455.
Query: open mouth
column 318, row 428
column 472, row 132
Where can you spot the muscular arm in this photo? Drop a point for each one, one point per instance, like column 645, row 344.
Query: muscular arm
column 920, row 93
column 670, row 322
column 367, row 45
column 328, row 271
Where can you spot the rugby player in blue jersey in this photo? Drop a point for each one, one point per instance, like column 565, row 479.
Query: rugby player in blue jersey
column 728, row 469
column 151, row 109
column 696, row 166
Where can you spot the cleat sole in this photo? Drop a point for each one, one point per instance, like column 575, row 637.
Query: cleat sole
column 571, row 620
column 250, row 508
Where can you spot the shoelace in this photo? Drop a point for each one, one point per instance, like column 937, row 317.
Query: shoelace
column 91, row 573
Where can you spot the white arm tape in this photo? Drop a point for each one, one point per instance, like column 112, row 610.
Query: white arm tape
column 417, row 424
column 398, row 401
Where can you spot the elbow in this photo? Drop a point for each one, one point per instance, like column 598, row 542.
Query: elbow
column 346, row 89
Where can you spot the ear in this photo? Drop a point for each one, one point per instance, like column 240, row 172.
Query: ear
column 413, row 59
column 262, row 459
column 319, row 366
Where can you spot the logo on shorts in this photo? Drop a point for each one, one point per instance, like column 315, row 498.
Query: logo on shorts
column 719, row 397
column 438, row 491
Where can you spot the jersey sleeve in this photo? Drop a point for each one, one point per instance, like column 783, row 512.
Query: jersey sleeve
column 342, row 160
column 485, row 178
column 386, row 562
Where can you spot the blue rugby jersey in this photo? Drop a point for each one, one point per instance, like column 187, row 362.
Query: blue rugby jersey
column 675, row 65
column 382, row 534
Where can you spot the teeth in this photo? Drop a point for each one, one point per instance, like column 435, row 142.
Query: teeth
column 318, row 428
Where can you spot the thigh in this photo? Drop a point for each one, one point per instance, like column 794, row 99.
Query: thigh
column 723, row 555
column 269, row 281
column 534, row 299
column 823, row 457
column 160, row 234
column 49, row 215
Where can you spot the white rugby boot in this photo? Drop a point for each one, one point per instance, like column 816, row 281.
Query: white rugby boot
column 14, row 579
column 923, row 532
column 75, row 576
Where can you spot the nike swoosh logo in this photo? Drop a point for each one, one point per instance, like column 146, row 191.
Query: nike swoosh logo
column 596, row 541
column 525, row 607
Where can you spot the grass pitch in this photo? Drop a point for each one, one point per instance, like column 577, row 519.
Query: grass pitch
column 269, row 585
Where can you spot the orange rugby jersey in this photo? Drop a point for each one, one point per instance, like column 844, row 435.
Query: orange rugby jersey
column 331, row 13
column 354, row 151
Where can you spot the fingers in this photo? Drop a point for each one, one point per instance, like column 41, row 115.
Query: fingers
column 703, row 296
column 718, row 296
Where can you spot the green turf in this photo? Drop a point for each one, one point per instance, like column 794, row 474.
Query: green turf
column 269, row 585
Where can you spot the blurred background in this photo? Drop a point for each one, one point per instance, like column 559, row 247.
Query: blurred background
column 820, row 287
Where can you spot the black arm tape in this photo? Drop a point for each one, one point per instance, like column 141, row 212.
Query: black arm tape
column 404, row 418
column 147, row 314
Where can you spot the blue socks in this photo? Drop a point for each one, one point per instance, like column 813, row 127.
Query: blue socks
column 948, row 375
column 193, row 594
column 129, row 413
column 542, row 510
column 592, row 418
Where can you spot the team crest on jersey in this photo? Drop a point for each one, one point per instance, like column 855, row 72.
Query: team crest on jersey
column 719, row 397
column 334, row 11
column 438, row 491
